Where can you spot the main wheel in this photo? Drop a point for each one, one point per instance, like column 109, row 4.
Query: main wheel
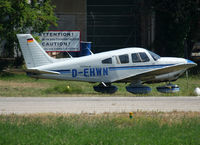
column 110, row 89
column 138, row 89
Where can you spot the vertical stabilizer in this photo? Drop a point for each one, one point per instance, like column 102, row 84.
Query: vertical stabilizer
column 33, row 53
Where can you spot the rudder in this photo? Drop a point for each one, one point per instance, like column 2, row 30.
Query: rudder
column 33, row 53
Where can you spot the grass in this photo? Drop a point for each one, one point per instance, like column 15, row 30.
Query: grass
column 113, row 129
column 22, row 86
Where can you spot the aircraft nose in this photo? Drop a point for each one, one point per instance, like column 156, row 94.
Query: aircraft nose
column 190, row 63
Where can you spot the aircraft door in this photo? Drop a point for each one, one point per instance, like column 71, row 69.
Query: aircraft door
column 113, row 70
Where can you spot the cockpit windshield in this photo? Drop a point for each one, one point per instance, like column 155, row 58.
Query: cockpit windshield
column 154, row 56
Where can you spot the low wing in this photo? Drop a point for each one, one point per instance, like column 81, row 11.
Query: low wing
column 151, row 74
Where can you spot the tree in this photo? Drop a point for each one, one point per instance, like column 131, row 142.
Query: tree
column 176, row 24
column 21, row 16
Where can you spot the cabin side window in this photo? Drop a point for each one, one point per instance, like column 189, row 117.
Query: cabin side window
column 107, row 61
column 124, row 58
column 144, row 57
column 135, row 57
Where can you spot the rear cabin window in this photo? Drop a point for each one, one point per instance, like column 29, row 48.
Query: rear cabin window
column 144, row 57
column 135, row 57
column 107, row 61
column 124, row 58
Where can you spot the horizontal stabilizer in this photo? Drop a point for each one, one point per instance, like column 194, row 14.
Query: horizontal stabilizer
column 36, row 71
column 41, row 71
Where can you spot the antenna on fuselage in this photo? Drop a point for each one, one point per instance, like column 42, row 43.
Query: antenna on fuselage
column 90, row 51
column 69, row 54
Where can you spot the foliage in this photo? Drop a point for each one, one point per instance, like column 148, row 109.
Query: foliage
column 64, row 89
column 24, row 86
column 153, row 128
column 176, row 24
column 19, row 16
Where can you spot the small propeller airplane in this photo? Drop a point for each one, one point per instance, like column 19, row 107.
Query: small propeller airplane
column 129, row 65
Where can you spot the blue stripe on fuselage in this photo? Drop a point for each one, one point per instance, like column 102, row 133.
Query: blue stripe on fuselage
column 138, row 67
column 98, row 71
column 63, row 71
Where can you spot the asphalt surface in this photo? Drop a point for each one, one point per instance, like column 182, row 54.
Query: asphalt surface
column 24, row 105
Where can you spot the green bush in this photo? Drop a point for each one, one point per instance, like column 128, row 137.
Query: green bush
column 63, row 89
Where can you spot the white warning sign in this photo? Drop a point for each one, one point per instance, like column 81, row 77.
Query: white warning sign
column 60, row 40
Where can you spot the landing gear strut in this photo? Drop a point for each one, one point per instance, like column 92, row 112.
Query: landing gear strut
column 105, row 88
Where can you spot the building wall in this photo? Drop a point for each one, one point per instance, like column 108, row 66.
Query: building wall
column 118, row 24
column 108, row 24
column 147, row 24
column 71, row 16
column 113, row 24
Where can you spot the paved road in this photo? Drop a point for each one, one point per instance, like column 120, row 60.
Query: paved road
column 21, row 105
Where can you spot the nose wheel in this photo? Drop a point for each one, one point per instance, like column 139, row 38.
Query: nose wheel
column 169, row 88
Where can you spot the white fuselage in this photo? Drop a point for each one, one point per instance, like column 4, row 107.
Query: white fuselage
column 113, row 66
